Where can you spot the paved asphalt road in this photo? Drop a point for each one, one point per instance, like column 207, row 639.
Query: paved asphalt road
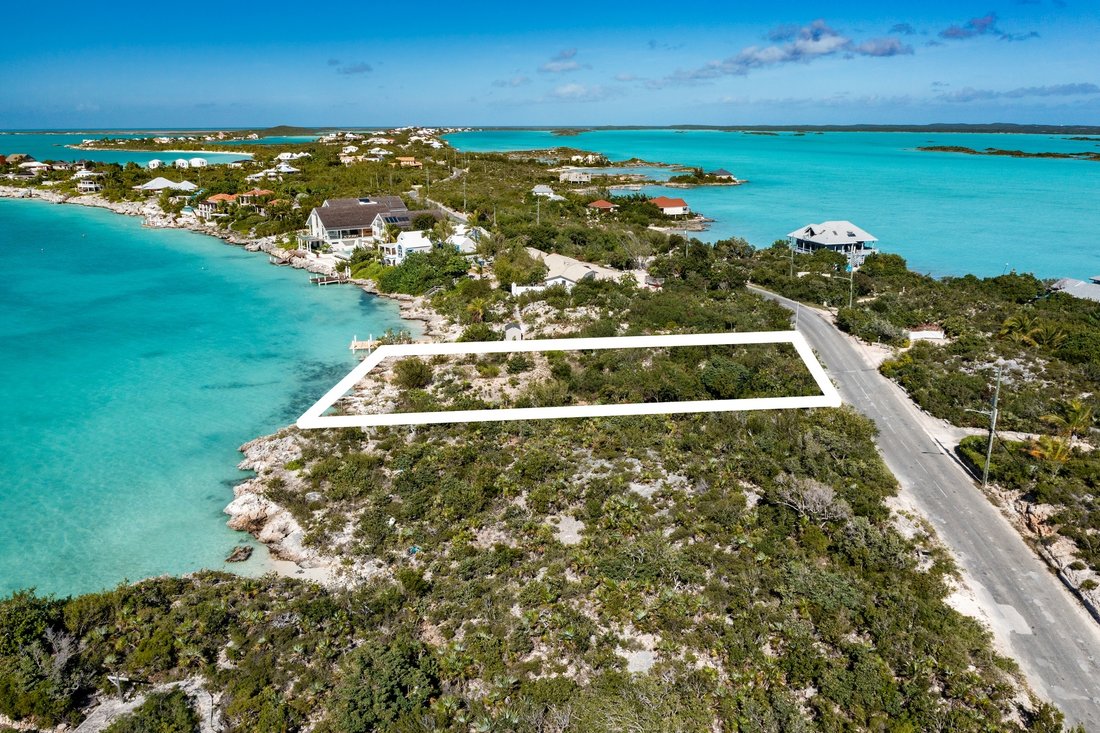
column 1049, row 632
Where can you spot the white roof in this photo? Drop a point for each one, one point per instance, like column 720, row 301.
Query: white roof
column 542, row 190
column 414, row 240
column 831, row 233
column 159, row 184
column 1078, row 288
column 560, row 266
column 462, row 243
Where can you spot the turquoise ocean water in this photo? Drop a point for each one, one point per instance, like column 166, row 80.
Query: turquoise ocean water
column 134, row 363
column 52, row 146
column 947, row 214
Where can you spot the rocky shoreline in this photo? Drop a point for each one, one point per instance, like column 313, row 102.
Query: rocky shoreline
column 252, row 510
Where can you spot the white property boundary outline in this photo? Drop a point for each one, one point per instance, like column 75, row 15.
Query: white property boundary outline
column 829, row 397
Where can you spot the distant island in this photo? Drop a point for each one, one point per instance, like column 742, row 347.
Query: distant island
column 1007, row 153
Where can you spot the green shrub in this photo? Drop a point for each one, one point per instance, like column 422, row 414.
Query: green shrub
column 162, row 712
column 412, row 373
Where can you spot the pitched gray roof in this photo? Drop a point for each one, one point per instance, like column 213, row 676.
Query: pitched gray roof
column 356, row 213
column 832, row 233
column 1078, row 288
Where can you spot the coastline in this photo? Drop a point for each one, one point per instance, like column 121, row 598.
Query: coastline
column 250, row 510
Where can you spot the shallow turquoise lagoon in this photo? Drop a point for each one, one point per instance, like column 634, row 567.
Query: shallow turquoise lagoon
column 947, row 213
column 133, row 363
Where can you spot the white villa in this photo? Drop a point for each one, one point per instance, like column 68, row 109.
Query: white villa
column 407, row 243
column 842, row 237
column 181, row 163
column 671, row 206
column 291, row 156
column 564, row 271
column 344, row 224
column 154, row 164
column 161, row 184
column 575, row 176
column 197, row 162
column 544, row 191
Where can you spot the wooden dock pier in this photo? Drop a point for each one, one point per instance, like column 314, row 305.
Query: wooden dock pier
column 369, row 345
column 329, row 279
column 335, row 279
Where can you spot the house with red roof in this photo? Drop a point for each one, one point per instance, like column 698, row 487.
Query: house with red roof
column 603, row 205
column 671, row 206
column 209, row 208
column 248, row 198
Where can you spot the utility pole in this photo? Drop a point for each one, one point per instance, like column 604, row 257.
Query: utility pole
column 992, row 429
column 538, row 210
column 851, row 277
column 792, row 262
column 992, row 413
column 464, row 193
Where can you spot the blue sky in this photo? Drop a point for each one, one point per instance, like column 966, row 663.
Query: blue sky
column 494, row 63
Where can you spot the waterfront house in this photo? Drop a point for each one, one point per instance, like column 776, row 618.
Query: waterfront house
column 564, row 271
column 181, row 163
column 344, row 224
column 197, row 162
column 723, row 174
column 250, row 198
column 394, row 253
column 671, row 206
column 214, row 205
column 842, row 237
column 1079, row 288
column 401, row 219
column 86, row 181
column 602, row 205
column 575, row 177
column 154, row 164
column 291, row 156
column 33, row 167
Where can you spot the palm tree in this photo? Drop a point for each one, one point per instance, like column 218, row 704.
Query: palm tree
column 1075, row 419
column 1053, row 450
column 1020, row 328
column 476, row 309
column 1048, row 335
column 391, row 232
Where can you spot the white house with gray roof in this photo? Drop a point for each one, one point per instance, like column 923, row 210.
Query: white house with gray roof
column 564, row 271
column 344, row 224
column 842, row 237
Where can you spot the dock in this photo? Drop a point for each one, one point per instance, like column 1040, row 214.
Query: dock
column 369, row 345
column 334, row 279
column 329, row 279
